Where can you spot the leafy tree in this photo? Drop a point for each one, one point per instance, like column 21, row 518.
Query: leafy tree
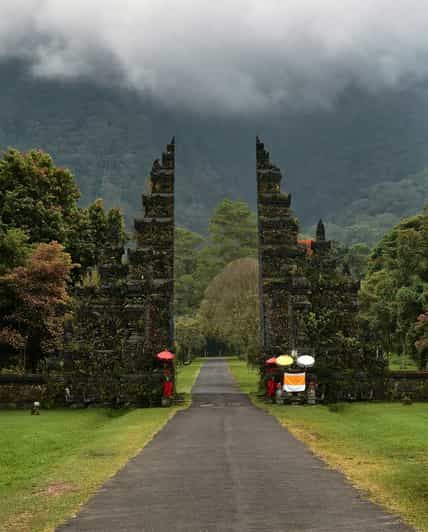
column 189, row 337
column 379, row 209
column 32, row 304
column 233, row 230
column 187, row 247
column 230, row 308
column 232, row 235
column 421, row 343
column 394, row 290
column 14, row 249
column 39, row 199
column 36, row 196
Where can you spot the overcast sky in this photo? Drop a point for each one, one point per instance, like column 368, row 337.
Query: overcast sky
column 223, row 55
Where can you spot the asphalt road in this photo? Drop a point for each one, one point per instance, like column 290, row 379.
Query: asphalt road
column 221, row 466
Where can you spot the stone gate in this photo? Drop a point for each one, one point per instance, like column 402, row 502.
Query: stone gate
column 120, row 325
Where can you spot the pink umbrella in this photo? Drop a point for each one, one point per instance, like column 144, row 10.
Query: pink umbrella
column 165, row 355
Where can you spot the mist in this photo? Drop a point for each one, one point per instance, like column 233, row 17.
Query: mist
column 235, row 56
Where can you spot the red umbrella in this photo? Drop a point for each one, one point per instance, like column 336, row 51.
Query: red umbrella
column 165, row 355
column 271, row 361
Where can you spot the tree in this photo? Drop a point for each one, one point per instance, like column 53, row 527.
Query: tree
column 36, row 196
column 421, row 343
column 230, row 308
column 33, row 302
column 189, row 337
column 187, row 245
column 356, row 258
column 394, row 290
column 232, row 235
column 14, row 249
column 39, row 199
column 233, row 230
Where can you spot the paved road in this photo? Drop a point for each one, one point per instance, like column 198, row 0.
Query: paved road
column 225, row 466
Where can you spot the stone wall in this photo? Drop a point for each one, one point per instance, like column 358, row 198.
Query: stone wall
column 407, row 384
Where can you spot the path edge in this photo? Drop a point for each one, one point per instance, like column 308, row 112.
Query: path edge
column 366, row 493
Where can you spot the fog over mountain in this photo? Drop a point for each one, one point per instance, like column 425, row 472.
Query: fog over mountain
column 244, row 56
column 337, row 90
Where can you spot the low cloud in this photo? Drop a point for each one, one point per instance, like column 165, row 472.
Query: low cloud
column 229, row 55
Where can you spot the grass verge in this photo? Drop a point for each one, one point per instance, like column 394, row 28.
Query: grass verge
column 380, row 447
column 52, row 463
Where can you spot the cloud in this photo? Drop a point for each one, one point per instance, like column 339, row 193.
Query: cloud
column 225, row 55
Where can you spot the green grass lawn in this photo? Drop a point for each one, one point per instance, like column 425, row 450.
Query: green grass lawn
column 50, row 464
column 403, row 363
column 381, row 447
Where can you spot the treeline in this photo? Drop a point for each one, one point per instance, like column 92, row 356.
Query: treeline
column 378, row 209
column 217, row 286
column 48, row 244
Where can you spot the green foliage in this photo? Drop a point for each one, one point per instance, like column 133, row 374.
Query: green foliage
column 232, row 235
column 421, row 344
column 189, row 337
column 380, row 207
column 38, row 203
column 32, row 304
column 395, row 290
column 14, row 248
column 36, row 196
column 233, row 230
column 187, row 247
column 230, row 308
column 356, row 259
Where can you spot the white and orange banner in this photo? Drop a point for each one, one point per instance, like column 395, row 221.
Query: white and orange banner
column 294, row 382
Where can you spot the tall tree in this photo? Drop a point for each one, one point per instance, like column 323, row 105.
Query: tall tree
column 230, row 309
column 232, row 235
column 233, row 230
column 187, row 247
column 39, row 199
column 395, row 288
column 189, row 337
column 36, row 196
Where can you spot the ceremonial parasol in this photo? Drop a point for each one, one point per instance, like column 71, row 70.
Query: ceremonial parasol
column 165, row 355
column 285, row 360
column 305, row 361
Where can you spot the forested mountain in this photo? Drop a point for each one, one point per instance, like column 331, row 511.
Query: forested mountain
column 338, row 162
column 379, row 208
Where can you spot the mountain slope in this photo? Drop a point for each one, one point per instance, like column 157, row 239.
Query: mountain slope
column 109, row 138
column 379, row 208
